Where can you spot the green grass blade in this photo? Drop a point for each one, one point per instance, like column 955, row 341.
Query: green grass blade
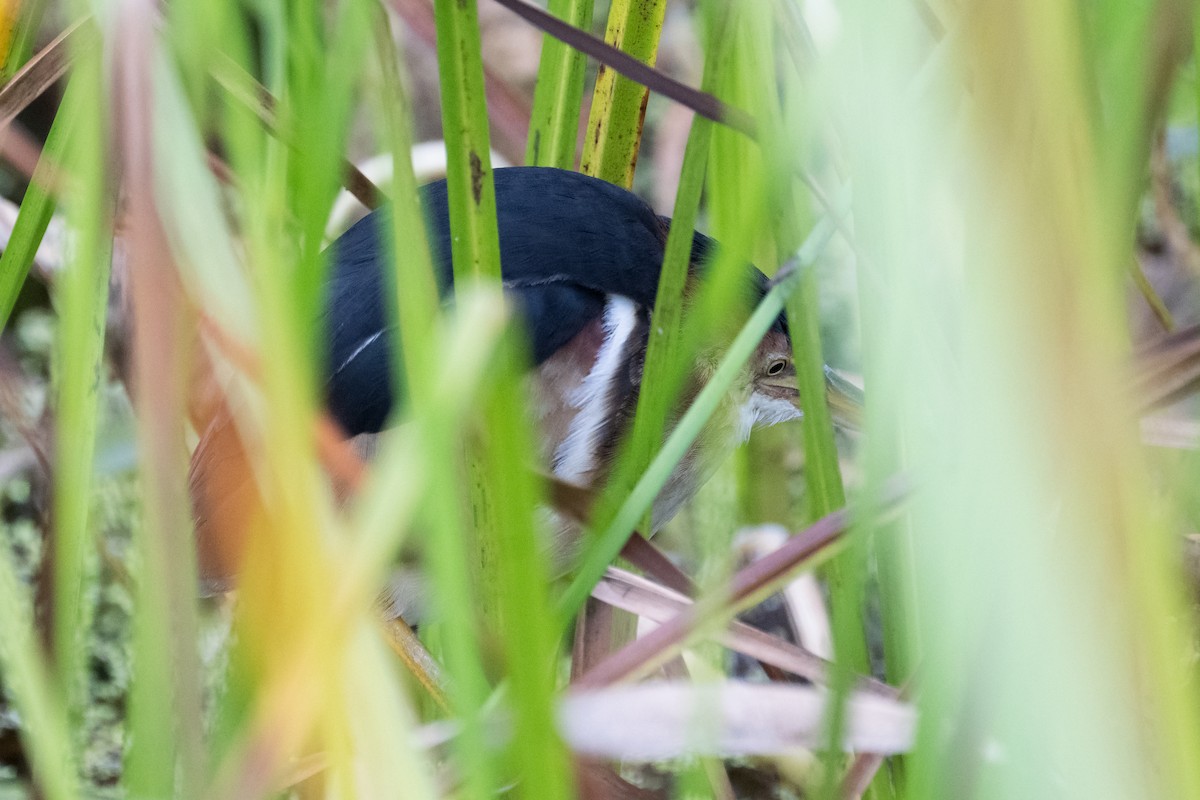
column 325, row 61
column 618, row 104
column 36, row 210
column 460, row 527
column 558, row 95
column 529, row 635
column 82, row 304
column 45, row 732
column 668, row 355
column 475, row 244
column 463, row 549
column 414, row 286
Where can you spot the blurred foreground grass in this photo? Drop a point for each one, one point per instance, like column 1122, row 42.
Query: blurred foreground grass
column 1002, row 544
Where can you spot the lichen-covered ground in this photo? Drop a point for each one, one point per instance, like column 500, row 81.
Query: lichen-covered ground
column 25, row 507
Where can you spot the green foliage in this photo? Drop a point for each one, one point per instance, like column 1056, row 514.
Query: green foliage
column 614, row 129
column 37, row 208
column 554, row 123
column 995, row 160
column 82, row 304
column 475, row 245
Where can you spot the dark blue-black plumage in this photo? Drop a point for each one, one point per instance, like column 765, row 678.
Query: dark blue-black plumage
column 566, row 242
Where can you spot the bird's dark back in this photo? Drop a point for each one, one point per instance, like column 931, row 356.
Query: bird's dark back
column 566, row 242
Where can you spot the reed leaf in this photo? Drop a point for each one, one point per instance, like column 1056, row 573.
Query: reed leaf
column 558, row 96
column 163, row 758
column 45, row 725
column 530, row 638
column 37, row 208
column 476, row 240
column 466, row 522
column 83, row 306
column 414, row 284
column 618, row 104
column 666, row 355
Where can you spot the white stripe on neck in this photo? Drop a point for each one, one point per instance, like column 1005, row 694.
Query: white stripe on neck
column 577, row 455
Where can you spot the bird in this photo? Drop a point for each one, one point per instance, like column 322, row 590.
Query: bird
column 580, row 262
column 580, row 259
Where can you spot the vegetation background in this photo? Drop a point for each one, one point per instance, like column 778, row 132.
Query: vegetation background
column 988, row 212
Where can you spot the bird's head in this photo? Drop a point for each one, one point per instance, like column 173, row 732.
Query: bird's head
column 772, row 395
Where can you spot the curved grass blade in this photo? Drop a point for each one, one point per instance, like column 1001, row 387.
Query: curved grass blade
column 34, row 217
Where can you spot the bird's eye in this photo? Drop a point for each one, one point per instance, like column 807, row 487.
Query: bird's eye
column 777, row 366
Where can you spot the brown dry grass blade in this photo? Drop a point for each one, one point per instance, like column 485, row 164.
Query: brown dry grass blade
column 748, row 583
column 418, row 660
column 648, row 558
column 1168, row 369
column 20, row 150
column 161, row 344
column 702, row 103
column 226, row 502
column 662, row 642
column 591, row 628
column 860, row 775
column 862, row 770
column 43, row 70
column 668, row 719
column 647, row 599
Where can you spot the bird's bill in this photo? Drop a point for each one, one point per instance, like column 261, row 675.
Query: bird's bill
column 845, row 400
column 844, row 397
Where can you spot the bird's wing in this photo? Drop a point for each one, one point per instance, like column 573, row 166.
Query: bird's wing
column 565, row 228
column 567, row 242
